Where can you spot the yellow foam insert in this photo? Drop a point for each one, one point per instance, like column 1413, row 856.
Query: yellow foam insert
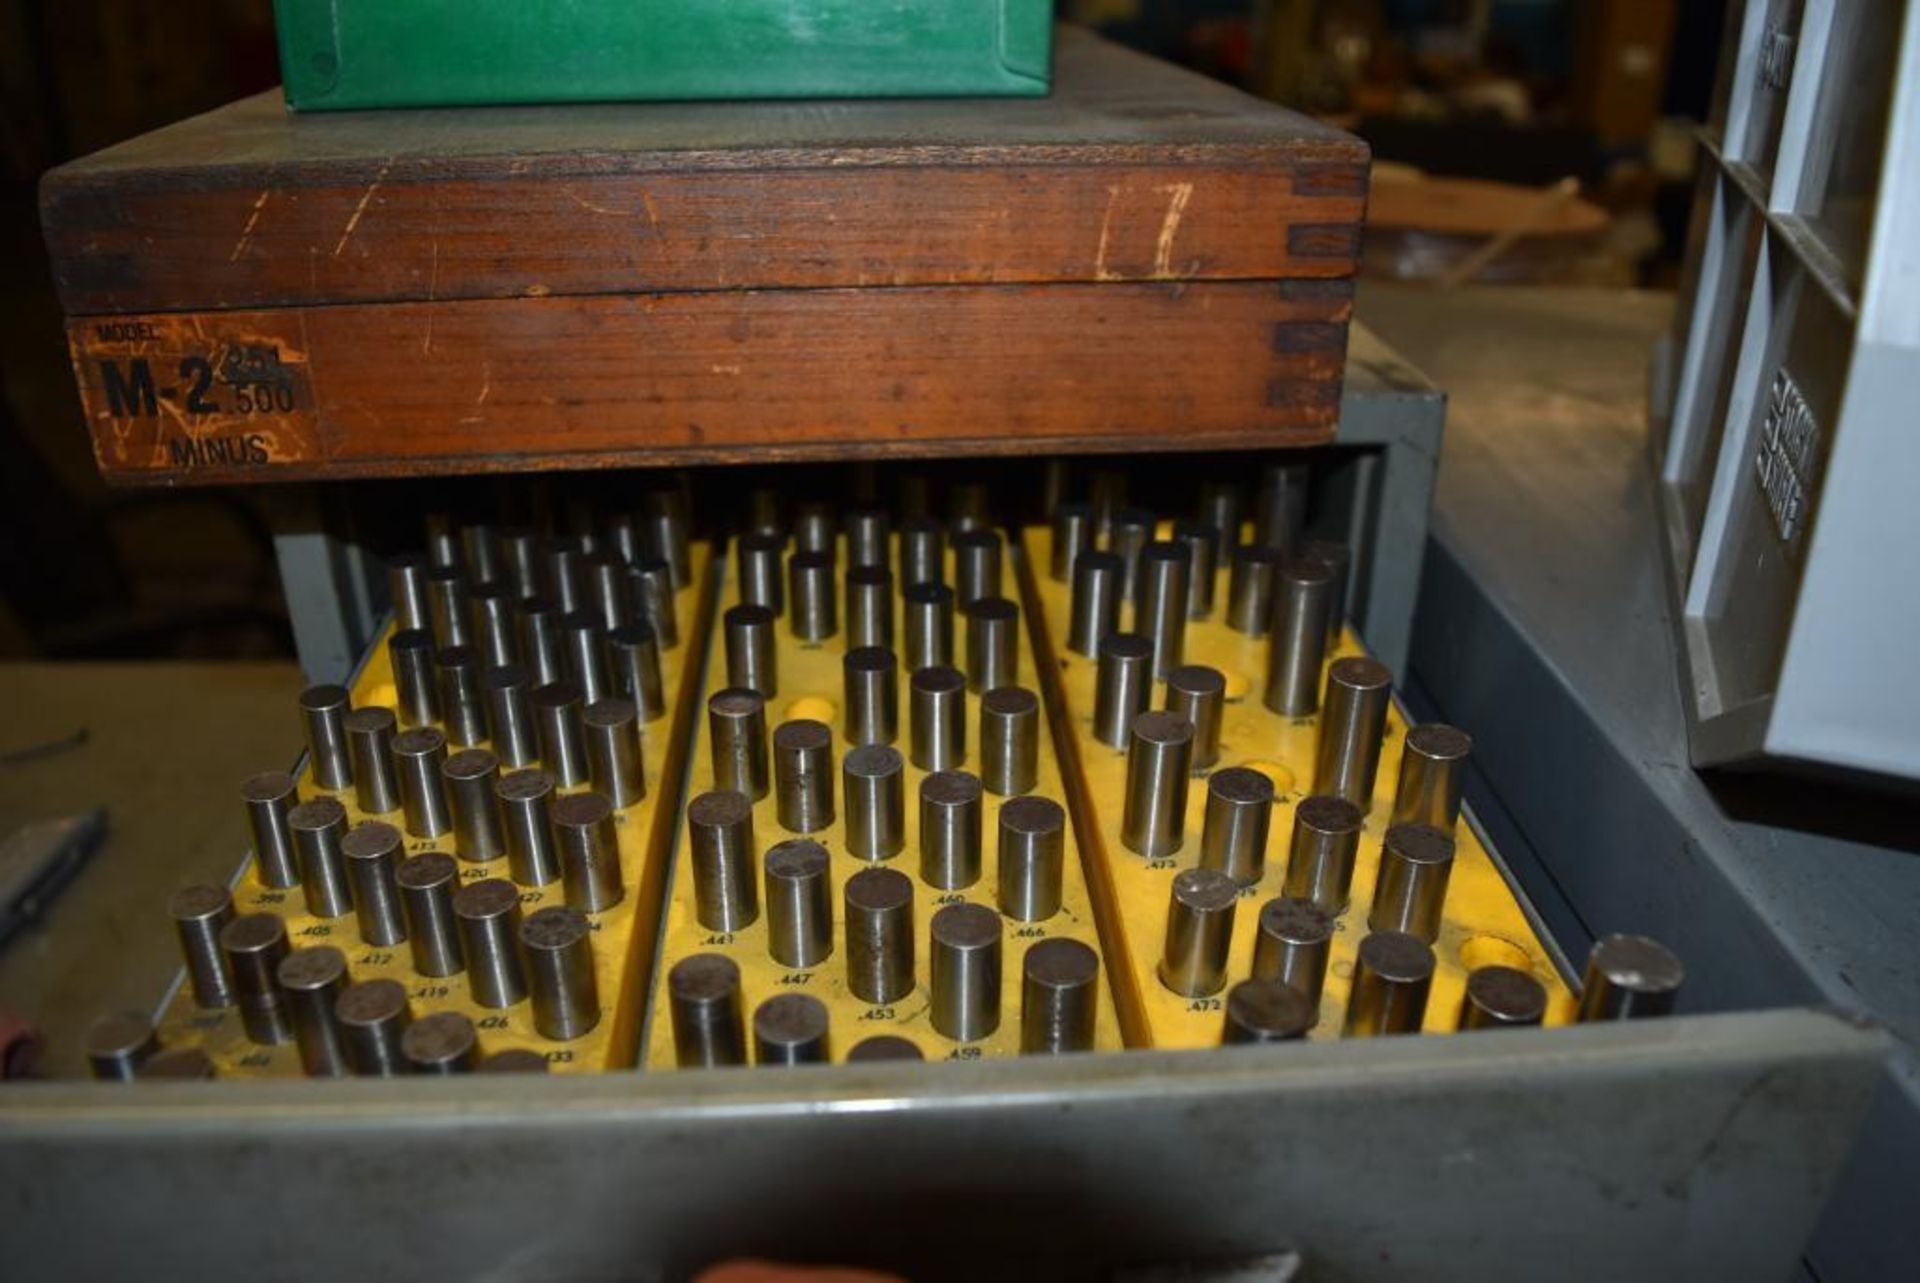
column 1484, row 921
column 810, row 682
column 623, row 935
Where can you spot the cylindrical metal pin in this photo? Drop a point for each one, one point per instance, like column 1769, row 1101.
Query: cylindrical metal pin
column 1293, row 943
column 1096, row 601
column 1220, row 509
column 884, row 1047
column 1391, row 978
column 472, row 777
column 1266, row 1011
column 976, row 566
column 561, row 732
column 418, row 754
column 510, row 725
column 663, row 529
column 791, row 1029
column 416, row 684
column 1059, row 998
column 1629, row 977
column 814, row 616
column 1122, row 687
column 1107, row 492
column 1032, row 858
column 373, row 1016
column 737, row 731
column 1009, row 740
column 1239, row 814
column 873, row 786
column 1354, row 717
column 524, row 798
column 613, row 751
column 927, row 609
column 1338, row 559
column 514, row 1060
column 607, row 595
column 1072, row 536
column 119, row 1044
column 407, row 586
column 1280, row 507
column 312, row 981
column 427, row 883
column 450, row 612
column 1432, row 761
column 1199, row 930
column 1200, row 540
column 866, row 537
column 879, row 909
column 635, row 652
column 540, row 647
column 583, row 642
column 1298, row 642
column 443, row 1043
column 199, row 914
column 1502, row 998
column 496, row 624
column 964, row 967
column 813, row 529
column 803, row 775
column 589, row 845
column 752, row 654
column 938, row 708
column 870, row 606
column 721, row 846
column 558, row 943
column 488, row 913
column 1132, row 532
column 993, row 625
column 799, row 903
column 1199, row 694
column 704, row 1004
column 323, row 710
column 520, row 560
column 370, row 733
column 651, row 589
column 254, row 944
column 757, row 558
column 923, row 552
column 269, row 796
column 481, row 550
column 871, row 695
column 317, row 829
column 950, row 830
column 1250, row 589
column 1162, row 611
column 1153, row 822
column 373, row 852
column 463, row 709
column 1322, row 850
column 1410, row 895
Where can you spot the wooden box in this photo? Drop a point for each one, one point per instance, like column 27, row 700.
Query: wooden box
column 1144, row 259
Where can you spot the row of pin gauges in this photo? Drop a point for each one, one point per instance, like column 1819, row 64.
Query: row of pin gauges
column 523, row 668
column 1291, row 590
column 792, row 885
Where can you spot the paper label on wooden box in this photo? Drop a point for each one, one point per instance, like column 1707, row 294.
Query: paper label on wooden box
column 175, row 394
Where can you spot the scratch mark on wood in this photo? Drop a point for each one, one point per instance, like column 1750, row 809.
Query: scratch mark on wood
column 246, row 233
column 433, row 283
column 486, row 384
column 360, row 210
column 591, row 206
column 1178, row 196
column 1100, row 272
column 653, row 212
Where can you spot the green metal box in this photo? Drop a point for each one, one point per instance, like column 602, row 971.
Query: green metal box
column 342, row 54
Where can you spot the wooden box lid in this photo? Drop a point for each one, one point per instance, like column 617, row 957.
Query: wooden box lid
column 578, row 286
